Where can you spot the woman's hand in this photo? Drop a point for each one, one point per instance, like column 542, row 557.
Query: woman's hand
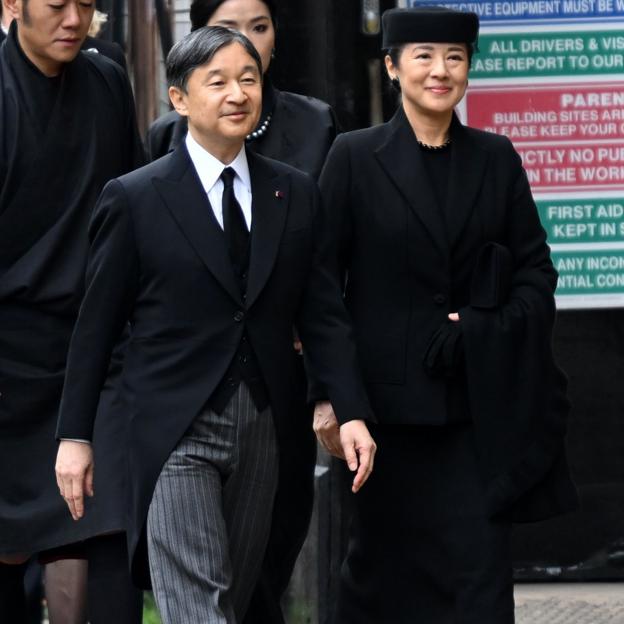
column 74, row 474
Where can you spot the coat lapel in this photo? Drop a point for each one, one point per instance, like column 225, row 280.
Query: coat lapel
column 401, row 159
column 185, row 198
column 468, row 165
column 270, row 197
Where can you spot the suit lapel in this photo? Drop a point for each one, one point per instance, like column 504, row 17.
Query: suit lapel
column 468, row 164
column 270, row 197
column 185, row 198
column 401, row 159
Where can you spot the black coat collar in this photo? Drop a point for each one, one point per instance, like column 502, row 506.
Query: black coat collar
column 468, row 166
column 185, row 198
column 401, row 159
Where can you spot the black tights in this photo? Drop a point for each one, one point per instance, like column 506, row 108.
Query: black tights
column 65, row 583
column 112, row 596
column 109, row 591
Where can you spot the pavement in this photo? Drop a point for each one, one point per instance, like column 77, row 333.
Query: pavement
column 565, row 603
column 569, row 603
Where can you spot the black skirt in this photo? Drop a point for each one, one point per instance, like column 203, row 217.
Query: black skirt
column 33, row 516
column 422, row 549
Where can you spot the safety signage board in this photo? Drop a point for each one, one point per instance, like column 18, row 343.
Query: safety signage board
column 549, row 74
column 560, row 54
column 591, row 220
column 527, row 11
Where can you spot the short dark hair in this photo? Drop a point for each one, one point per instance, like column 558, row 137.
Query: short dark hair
column 202, row 11
column 198, row 48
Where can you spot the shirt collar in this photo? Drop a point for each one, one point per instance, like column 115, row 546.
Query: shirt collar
column 209, row 168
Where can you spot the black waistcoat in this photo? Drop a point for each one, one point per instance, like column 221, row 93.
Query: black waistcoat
column 244, row 367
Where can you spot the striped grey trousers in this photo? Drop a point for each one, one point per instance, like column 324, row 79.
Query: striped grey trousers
column 210, row 516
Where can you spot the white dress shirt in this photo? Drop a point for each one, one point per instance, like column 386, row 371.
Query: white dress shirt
column 209, row 170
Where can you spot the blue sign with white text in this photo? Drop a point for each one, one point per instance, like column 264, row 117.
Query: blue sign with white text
column 552, row 11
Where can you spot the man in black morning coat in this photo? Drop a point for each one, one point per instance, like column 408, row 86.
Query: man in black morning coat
column 297, row 130
column 67, row 126
column 212, row 306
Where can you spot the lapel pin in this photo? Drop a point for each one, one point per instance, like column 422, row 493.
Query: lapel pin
column 279, row 195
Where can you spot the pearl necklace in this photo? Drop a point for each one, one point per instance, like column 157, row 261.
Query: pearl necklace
column 434, row 148
column 264, row 126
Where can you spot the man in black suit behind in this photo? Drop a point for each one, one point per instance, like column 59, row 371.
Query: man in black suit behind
column 213, row 254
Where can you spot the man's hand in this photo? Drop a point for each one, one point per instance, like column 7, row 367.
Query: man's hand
column 359, row 450
column 327, row 429
column 74, row 474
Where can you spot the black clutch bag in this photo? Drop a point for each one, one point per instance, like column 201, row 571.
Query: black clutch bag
column 491, row 278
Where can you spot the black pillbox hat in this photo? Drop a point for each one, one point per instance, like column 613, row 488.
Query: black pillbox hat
column 431, row 24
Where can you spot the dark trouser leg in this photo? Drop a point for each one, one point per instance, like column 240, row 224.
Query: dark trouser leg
column 292, row 511
column 12, row 599
column 111, row 595
column 210, row 515
column 248, row 497
column 65, row 583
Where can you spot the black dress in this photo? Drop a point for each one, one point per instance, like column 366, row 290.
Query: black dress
column 61, row 140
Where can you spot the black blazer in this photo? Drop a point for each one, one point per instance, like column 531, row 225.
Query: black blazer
column 158, row 259
column 407, row 267
column 301, row 131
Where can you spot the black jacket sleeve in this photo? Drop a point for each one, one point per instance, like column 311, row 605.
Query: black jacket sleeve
column 111, row 287
column 327, row 335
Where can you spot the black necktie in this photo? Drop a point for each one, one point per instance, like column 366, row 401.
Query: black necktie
column 234, row 225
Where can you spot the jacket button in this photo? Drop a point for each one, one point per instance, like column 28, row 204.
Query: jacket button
column 239, row 316
column 439, row 298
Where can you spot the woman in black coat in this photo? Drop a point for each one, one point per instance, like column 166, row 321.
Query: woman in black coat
column 450, row 286
column 294, row 129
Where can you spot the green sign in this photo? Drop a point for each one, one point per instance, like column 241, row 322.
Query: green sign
column 589, row 272
column 583, row 220
column 549, row 54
